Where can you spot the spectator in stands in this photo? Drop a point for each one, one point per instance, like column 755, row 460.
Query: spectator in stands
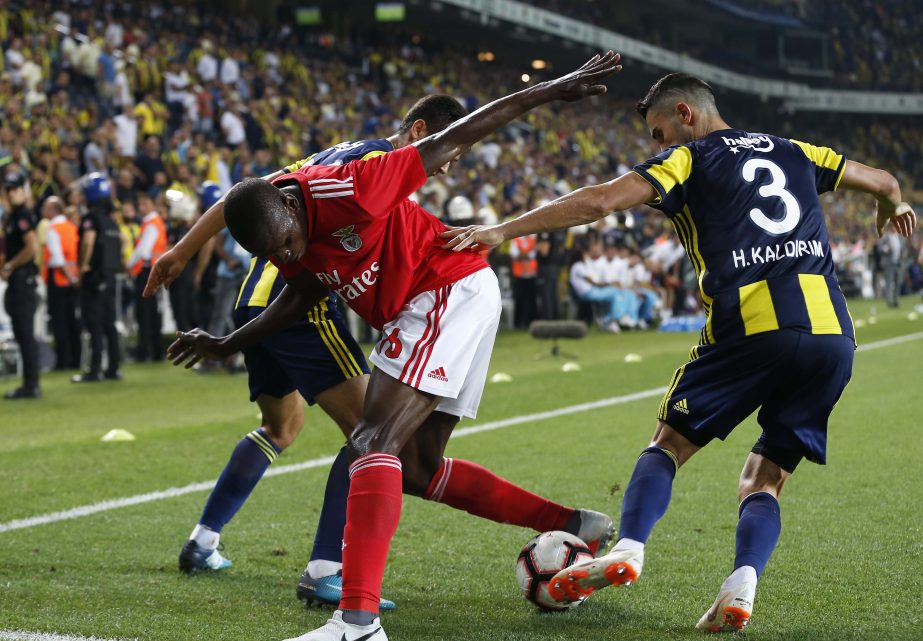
column 588, row 281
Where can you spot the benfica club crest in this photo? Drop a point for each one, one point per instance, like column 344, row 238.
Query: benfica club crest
column 350, row 240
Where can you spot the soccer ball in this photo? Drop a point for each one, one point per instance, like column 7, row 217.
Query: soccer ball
column 542, row 558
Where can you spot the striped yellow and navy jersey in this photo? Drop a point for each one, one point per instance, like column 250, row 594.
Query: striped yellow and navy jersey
column 263, row 282
column 745, row 207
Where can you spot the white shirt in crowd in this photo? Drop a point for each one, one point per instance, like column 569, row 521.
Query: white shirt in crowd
column 638, row 275
column 31, row 75
column 667, row 253
column 233, row 127
column 14, row 63
column 126, row 135
column 490, row 154
column 207, row 67
column 580, row 278
column 616, row 271
column 114, row 34
column 175, row 85
column 94, row 158
column 230, row 71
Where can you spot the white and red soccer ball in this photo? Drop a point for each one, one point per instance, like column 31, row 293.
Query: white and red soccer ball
column 542, row 558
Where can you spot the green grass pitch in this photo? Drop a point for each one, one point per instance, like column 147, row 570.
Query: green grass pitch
column 848, row 565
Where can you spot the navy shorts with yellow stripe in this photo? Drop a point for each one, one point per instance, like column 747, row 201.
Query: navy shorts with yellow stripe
column 311, row 356
column 793, row 377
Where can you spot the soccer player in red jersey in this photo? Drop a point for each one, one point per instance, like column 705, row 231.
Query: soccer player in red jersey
column 353, row 230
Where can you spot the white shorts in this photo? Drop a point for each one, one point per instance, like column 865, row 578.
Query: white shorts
column 441, row 342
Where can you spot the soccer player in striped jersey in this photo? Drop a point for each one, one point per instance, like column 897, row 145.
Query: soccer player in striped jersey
column 778, row 337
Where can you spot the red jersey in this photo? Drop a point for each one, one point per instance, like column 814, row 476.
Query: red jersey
column 367, row 242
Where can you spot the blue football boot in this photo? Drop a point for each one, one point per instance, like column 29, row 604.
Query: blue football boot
column 194, row 557
column 327, row 589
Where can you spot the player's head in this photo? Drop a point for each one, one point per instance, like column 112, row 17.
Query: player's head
column 266, row 220
column 678, row 109
column 429, row 115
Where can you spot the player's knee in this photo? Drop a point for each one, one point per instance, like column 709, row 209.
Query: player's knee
column 677, row 446
column 284, row 430
column 371, row 438
column 761, row 475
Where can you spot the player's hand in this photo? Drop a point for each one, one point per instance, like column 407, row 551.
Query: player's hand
column 475, row 237
column 194, row 345
column 902, row 218
column 585, row 81
column 167, row 269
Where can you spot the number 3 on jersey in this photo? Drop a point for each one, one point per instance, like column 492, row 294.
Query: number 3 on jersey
column 776, row 187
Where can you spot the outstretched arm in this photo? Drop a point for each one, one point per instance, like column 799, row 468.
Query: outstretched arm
column 299, row 295
column 171, row 264
column 585, row 205
column 446, row 146
column 885, row 188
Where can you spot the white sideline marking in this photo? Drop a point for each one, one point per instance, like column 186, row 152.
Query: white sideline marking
column 888, row 342
column 22, row 635
column 114, row 504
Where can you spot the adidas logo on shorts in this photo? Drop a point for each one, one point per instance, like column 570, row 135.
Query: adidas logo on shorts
column 681, row 406
column 439, row 375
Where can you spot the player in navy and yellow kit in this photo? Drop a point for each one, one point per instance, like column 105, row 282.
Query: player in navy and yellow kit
column 778, row 336
column 316, row 359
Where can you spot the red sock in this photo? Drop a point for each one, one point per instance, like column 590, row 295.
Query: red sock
column 468, row 486
column 373, row 510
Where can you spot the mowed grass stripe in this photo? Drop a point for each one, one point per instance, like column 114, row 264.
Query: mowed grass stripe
column 114, row 504
column 21, row 635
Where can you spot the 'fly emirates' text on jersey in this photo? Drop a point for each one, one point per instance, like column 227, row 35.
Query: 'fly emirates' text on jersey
column 367, row 242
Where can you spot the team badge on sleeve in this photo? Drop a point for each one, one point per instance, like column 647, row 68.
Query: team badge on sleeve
column 348, row 238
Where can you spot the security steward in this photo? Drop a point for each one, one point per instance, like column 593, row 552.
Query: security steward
column 151, row 246
column 59, row 271
column 20, row 273
column 100, row 259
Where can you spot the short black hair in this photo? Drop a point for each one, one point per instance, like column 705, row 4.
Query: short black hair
column 253, row 211
column 677, row 86
column 437, row 110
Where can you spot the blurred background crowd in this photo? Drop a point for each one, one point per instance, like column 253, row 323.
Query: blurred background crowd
column 173, row 104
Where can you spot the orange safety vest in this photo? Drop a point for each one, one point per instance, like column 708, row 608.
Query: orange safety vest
column 160, row 245
column 70, row 240
column 526, row 264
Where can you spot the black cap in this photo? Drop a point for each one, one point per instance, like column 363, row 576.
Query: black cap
column 13, row 179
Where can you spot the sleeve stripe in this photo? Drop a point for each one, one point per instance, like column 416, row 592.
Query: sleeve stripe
column 675, row 170
column 821, row 156
column 372, row 154
column 839, row 172
column 653, row 183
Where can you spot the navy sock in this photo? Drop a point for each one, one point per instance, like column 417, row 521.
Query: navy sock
column 244, row 470
column 328, row 542
column 648, row 494
column 757, row 531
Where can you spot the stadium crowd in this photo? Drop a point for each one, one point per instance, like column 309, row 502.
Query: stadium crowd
column 883, row 51
column 174, row 121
